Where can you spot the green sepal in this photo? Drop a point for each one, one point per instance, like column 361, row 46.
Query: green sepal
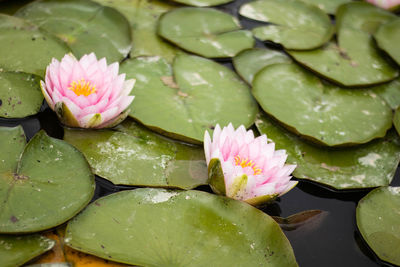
column 65, row 115
column 94, row 121
column 216, row 178
column 238, row 186
column 117, row 120
column 255, row 201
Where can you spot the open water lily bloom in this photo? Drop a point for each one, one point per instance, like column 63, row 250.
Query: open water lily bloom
column 87, row 93
column 246, row 168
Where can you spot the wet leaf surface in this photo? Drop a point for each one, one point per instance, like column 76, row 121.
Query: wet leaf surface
column 133, row 155
column 247, row 63
column 17, row 250
column 83, row 25
column 156, row 227
column 320, row 111
column 370, row 165
column 293, row 24
column 20, row 95
column 143, row 17
column 205, row 31
column 390, row 92
column 388, row 38
column 196, row 92
column 329, row 6
column 42, row 184
column 25, row 48
column 354, row 60
column 378, row 216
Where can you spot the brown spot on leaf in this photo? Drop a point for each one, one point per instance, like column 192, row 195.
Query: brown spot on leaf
column 13, row 219
column 97, row 204
column 180, row 93
column 169, row 81
column 20, row 177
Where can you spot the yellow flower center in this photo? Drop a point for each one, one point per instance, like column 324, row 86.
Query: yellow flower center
column 247, row 163
column 82, row 87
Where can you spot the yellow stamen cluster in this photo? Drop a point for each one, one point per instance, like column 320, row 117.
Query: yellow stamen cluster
column 82, row 87
column 247, row 163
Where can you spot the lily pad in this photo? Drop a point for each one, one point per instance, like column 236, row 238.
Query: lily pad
column 248, row 62
column 294, row 24
column 370, row 165
column 25, row 48
column 132, row 155
column 20, row 95
column 189, row 97
column 390, row 92
column 320, row 111
column 328, row 6
column 84, row 25
column 203, row 3
column 156, row 227
column 205, row 31
column 17, row 250
column 388, row 38
column 143, row 16
column 354, row 60
column 42, row 184
column 378, row 216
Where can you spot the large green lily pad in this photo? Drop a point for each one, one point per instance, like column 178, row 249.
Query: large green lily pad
column 388, row 38
column 390, row 92
column 328, row 6
column 20, row 95
column 354, row 60
column 84, row 25
column 24, row 48
column 294, row 24
column 322, row 112
column 203, row 3
column 378, row 216
column 42, row 184
column 143, row 16
column 156, row 227
column 17, row 250
column 189, row 98
column 370, row 165
column 132, row 155
column 248, row 62
column 205, row 31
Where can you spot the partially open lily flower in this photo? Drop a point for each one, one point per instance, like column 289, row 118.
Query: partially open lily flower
column 386, row 4
column 246, row 168
column 87, row 93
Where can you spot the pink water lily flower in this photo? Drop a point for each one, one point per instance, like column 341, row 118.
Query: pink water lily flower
column 386, row 4
column 87, row 93
column 246, row 168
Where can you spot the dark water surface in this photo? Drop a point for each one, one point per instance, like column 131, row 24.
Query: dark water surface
column 328, row 239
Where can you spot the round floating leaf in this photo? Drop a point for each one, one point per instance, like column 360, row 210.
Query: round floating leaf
column 45, row 186
column 156, row 227
column 294, row 24
column 24, row 48
column 247, row 63
column 197, row 94
column 390, row 92
column 329, row 6
column 370, row 165
column 143, row 16
column 378, row 216
column 354, row 61
column 388, row 38
column 84, row 25
column 133, row 155
column 202, row 3
column 205, row 31
column 17, row 250
column 320, row 111
column 20, row 95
